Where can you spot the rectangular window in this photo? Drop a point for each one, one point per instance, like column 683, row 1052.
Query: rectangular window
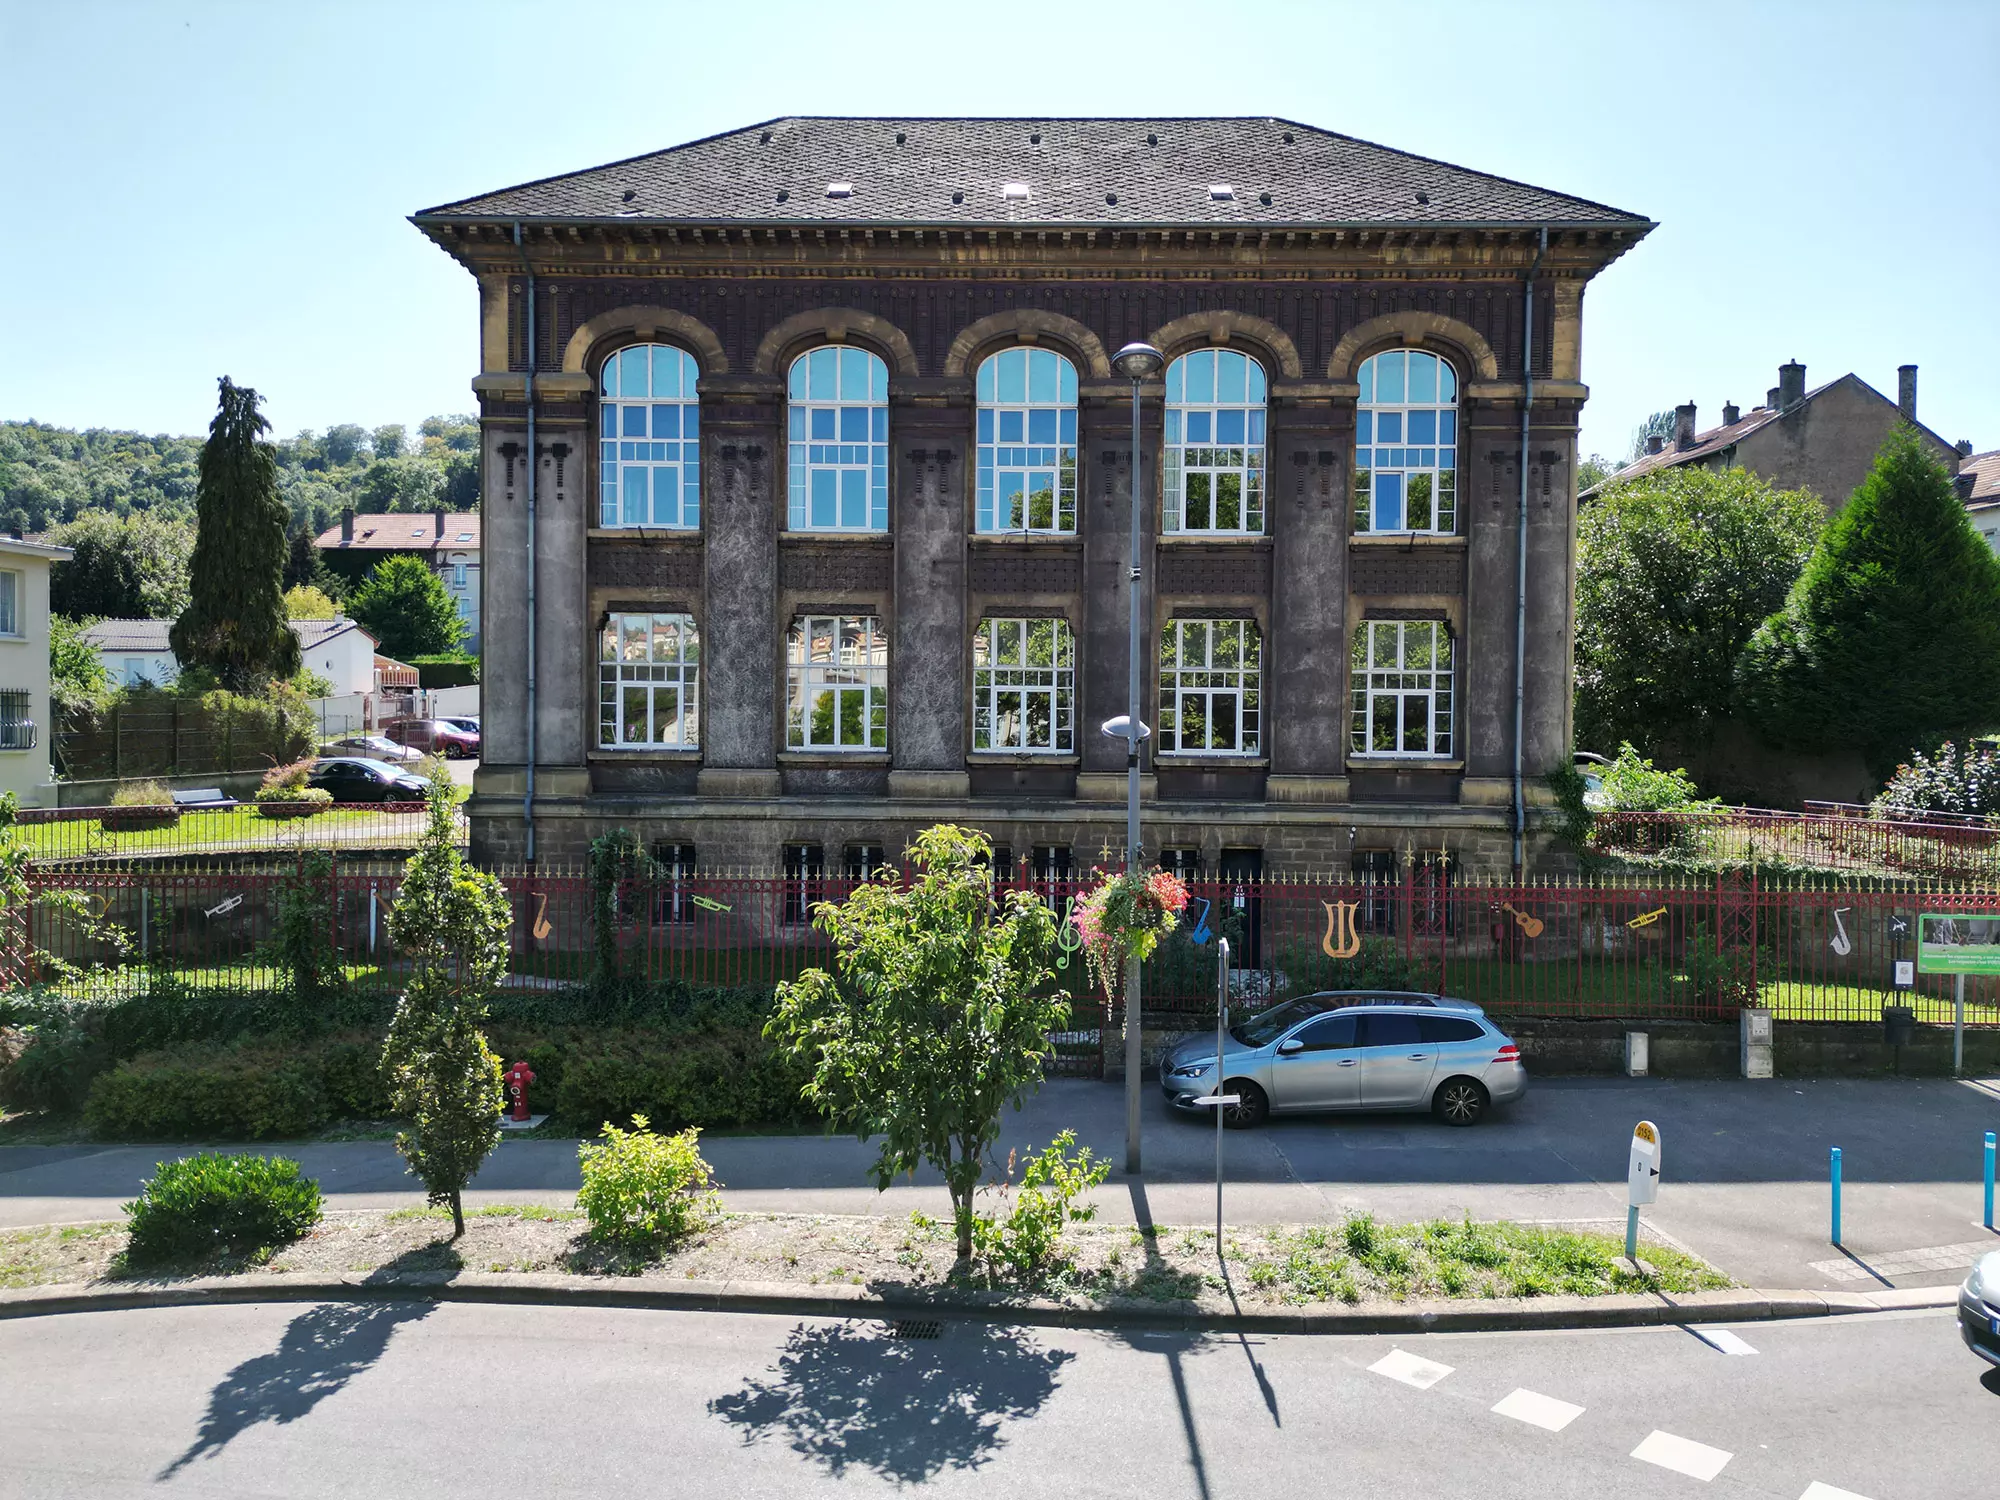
column 805, row 874
column 10, row 603
column 837, row 683
column 673, row 869
column 1211, row 681
column 1184, row 862
column 649, row 683
column 1402, row 679
column 17, row 728
column 458, row 576
column 1024, row 687
column 861, row 861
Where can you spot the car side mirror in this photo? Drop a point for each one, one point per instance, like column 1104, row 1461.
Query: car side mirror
column 1290, row 1045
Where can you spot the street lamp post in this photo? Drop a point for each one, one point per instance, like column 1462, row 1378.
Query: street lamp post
column 1135, row 362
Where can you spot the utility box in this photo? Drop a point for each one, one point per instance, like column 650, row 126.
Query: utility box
column 1756, row 1033
column 1899, row 1025
column 1635, row 1054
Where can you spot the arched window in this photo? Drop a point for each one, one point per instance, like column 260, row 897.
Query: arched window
column 1027, row 442
column 1024, row 686
column 649, row 432
column 839, row 472
column 1215, row 444
column 1406, row 444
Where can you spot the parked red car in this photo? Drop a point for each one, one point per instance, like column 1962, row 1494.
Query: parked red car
column 434, row 736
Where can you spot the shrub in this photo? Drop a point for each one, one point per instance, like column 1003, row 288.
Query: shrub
column 1633, row 785
column 239, row 1204
column 644, row 1190
column 257, row 1090
column 727, row 1080
column 1952, row 781
column 137, row 805
column 303, row 944
column 443, row 670
column 284, row 793
column 1380, row 965
column 1029, row 1239
column 50, row 1064
column 1718, row 978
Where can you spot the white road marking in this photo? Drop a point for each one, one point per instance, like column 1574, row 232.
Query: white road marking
column 1410, row 1369
column 1682, row 1455
column 1818, row 1491
column 1722, row 1339
column 1902, row 1262
column 1538, row 1410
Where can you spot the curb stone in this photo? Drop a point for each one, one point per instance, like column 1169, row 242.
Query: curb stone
column 1489, row 1315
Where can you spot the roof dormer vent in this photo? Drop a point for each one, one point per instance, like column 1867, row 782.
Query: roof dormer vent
column 840, row 190
column 783, row 195
column 1035, row 139
column 1221, row 192
column 899, row 137
column 630, row 195
column 1288, row 138
column 1423, row 197
column 1111, row 198
column 764, row 139
column 1265, row 199
column 1015, row 190
column 1152, row 139
column 958, row 197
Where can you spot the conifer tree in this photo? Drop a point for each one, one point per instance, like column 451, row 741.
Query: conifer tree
column 234, row 625
column 1890, row 639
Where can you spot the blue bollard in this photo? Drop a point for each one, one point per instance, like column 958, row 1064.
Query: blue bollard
column 1989, row 1179
column 1836, row 1195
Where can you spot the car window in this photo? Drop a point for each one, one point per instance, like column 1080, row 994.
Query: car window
column 1327, row 1034
column 1389, row 1029
column 1448, row 1029
column 1261, row 1031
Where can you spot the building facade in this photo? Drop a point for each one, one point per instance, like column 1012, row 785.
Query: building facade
column 27, row 727
column 831, row 479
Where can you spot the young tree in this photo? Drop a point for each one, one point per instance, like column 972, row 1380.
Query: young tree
column 234, row 623
column 304, row 565
column 124, row 567
column 940, row 1016
column 452, row 921
column 1675, row 571
column 77, row 676
column 1890, row 639
column 307, row 603
column 406, row 607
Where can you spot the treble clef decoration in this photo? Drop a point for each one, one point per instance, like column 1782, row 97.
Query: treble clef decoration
column 1068, row 940
column 1841, row 943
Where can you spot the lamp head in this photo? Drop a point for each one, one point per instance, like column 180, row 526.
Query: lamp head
column 1120, row 728
column 1137, row 361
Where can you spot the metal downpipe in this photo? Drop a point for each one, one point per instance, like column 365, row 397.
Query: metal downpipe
column 528, row 797
column 1521, row 548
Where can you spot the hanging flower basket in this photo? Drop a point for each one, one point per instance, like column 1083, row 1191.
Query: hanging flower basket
column 1123, row 919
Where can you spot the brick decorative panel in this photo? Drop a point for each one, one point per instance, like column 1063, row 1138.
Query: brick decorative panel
column 643, row 566
column 1021, row 572
column 1232, row 568
column 1418, row 570
column 836, row 569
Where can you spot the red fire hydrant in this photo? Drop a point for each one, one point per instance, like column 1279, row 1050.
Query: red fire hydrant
column 517, row 1079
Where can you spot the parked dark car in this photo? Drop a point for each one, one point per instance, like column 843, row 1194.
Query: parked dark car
column 352, row 779
column 433, row 737
column 468, row 722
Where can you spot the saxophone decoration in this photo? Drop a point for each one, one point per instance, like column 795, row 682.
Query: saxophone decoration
column 1343, row 935
column 1841, row 943
column 542, row 929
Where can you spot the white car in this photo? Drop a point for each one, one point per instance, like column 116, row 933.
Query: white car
column 1979, row 1308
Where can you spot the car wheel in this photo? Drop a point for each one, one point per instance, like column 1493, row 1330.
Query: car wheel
column 1250, row 1107
column 1460, row 1101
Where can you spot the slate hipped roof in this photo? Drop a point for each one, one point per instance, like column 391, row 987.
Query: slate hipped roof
column 1985, row 471
column 1076, row 171
column 150, row 636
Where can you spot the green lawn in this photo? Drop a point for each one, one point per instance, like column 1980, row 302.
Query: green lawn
column 224, row 829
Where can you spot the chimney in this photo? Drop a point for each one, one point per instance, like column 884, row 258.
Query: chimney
column 438, row 517
column 1906, row 391
column 1654, row 442
column 1731, row 415
column 1771, row 399
column 347, row 523
column 1964, row 448
column 1791, row 385
column 1684, row 427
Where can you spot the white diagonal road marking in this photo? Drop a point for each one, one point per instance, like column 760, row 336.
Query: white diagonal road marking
column 1538, row 1410
column 1410, row 1369
column 1902, row 1262
column 1818, row 1491
column 1682, row 1455
column 1722, row 1339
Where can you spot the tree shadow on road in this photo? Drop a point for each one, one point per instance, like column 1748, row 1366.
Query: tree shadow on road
column 851, row 1394
column 320, row 1350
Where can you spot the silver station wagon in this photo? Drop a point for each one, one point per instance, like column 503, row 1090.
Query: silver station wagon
column 1373, row 1050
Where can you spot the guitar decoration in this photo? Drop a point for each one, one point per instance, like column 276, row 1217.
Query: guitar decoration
column 1647, row 918
column 1532, row 926
column 708, row 904
column 1841, row 943
column 1200, row 933
column 1343, row 936
column 541, row 927
column 1068, row 939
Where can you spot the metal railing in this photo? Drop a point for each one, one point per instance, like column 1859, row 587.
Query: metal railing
column 1826, row 836
column 54, row 835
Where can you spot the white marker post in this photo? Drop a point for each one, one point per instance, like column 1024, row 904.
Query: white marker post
column 1218, row 1100
column 1642, row 1181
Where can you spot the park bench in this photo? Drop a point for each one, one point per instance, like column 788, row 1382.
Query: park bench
column 203, row 796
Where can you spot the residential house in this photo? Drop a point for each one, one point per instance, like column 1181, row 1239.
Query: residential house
column 138, row 651
column 1824, row 440
column 25, row 737
column 448, row 541
column 832, row 485
column 1979, row 488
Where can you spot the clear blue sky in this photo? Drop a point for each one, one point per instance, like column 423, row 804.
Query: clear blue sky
column 199, row 188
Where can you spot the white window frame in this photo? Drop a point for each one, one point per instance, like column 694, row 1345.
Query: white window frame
column 1209, row 390
column 848, row 657
column 668, row 659
column 10, row 601
column 1027, row 442
column 1006, row 682
column 834, row 393
column 1390, row 475
column 643, row 389
column 1409, row 663
column 1218, row 663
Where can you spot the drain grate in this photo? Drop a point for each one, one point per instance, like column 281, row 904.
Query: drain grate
column 916, row 1328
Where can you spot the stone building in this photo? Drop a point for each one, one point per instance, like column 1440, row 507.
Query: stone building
column 1824, row 440
column 807, row 488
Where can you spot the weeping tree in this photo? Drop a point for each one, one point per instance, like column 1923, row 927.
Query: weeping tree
column 234, row 625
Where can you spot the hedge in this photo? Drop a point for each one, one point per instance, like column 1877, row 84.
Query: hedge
column 443, row 671
column 260, row 1090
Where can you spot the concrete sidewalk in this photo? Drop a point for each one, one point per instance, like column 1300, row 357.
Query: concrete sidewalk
column 1745, row 1180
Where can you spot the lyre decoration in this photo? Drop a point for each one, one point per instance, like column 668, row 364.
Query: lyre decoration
column 1841, row 943
column 1343, row 934
column 1532, row 926
column 541, row 929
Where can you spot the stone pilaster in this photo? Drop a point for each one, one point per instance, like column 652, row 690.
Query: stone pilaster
column 1105, row 519
column 930, row 426
column 743, row 456
column 1305, row 660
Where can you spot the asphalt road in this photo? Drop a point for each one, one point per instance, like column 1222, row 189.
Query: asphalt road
column 1745, row 1179
column 415, row 1399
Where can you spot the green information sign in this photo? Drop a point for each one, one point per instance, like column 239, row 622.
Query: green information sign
column 1958, row 943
